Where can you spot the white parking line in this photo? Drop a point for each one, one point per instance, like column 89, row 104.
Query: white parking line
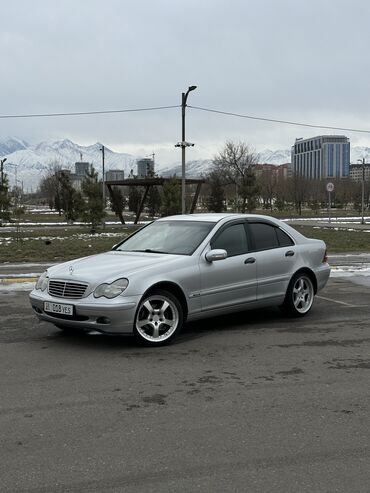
column 336, row 301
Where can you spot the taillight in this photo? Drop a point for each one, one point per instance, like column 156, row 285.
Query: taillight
column 325, row 258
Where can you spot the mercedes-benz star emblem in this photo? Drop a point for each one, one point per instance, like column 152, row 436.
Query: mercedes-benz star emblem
column 71, row 269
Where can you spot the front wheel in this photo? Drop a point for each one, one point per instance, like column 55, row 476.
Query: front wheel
column 159, row 318
column 299, row 296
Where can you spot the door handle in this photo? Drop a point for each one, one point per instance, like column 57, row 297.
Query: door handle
column 249, row 260
column 289, row 253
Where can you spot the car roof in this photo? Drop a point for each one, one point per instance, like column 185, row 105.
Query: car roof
column 213, row 217
column 218, row 217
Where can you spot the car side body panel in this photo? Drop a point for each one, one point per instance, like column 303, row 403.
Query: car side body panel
column 227, row 282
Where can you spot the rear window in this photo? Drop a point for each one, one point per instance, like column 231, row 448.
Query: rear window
column 284, row 239
column 267, row 236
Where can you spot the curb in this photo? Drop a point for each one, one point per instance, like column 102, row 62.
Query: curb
column 13, row 280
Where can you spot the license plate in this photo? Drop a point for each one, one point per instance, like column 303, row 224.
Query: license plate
column 60, row 308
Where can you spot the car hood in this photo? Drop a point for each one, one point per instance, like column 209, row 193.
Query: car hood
column 110, row 266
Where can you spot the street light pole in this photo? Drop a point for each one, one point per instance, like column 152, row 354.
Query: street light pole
column 183, row 144
column 183, row 186
column 103, row 170
column 362, row 190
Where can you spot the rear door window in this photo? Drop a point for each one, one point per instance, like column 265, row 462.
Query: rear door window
column 267, row 236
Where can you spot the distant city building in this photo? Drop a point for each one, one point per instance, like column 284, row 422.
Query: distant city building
column 114, row 175
column 325, row 156
column 279, row 171
column 81, row 168
column 145, row 167
column 355, row 172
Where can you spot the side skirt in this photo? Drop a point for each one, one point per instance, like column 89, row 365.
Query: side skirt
column 236, row 308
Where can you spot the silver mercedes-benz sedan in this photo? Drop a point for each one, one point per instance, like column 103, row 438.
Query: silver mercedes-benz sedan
column 182, row 268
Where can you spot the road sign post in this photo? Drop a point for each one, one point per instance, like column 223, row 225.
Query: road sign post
column 329, row 189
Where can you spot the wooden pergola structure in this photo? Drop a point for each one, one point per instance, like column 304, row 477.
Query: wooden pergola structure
column 152, row 182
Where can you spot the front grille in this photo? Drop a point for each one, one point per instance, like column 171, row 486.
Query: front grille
column 67, row 289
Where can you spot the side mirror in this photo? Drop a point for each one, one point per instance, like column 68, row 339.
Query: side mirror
column 217, row 254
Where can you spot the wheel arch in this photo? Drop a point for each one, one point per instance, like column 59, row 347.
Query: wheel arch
column 173, row 289
column 310, row 273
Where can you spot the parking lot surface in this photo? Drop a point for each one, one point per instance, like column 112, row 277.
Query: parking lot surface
column 250, row 402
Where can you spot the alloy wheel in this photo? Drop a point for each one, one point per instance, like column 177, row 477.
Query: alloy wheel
column 157, row 318
column 303, row 294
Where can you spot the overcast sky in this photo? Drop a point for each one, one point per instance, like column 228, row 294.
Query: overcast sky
column 297, row 60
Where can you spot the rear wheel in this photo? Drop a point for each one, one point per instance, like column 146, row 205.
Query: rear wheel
column 299, row 296
column 159, row 318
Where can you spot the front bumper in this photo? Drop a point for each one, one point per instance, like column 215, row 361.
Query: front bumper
column 114, row 316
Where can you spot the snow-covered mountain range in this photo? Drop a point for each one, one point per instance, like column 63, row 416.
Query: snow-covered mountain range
column 31, row 162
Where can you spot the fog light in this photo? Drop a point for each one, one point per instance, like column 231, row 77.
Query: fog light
column 103, row 320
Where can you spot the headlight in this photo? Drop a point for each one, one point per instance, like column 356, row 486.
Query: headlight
column 42, row 281
column 111, row 290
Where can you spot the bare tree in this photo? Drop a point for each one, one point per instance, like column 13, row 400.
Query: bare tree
column 315, row 194
column 50, row 186
column 298, row 191
column 268, row 185
column 282, row 193
column 236, row 163
column 56, row 187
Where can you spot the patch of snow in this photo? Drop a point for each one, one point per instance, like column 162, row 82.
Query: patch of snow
column 350, row 271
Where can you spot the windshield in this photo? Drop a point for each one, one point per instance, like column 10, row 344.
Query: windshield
column 177, row 237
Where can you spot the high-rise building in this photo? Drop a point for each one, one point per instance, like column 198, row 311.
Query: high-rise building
column 145, row 167
column 325, row 156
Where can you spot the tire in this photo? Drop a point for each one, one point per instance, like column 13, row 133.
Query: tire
column 158, row 319
column 299, row 296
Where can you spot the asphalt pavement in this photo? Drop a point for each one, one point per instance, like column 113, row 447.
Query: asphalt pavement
column 253, row 402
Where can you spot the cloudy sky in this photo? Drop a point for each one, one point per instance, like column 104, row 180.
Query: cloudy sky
column 296, row 60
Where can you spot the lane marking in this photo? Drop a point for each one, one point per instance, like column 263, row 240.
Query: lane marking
column 336, row 301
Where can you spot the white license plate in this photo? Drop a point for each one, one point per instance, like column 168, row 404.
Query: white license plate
column 60, row 308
